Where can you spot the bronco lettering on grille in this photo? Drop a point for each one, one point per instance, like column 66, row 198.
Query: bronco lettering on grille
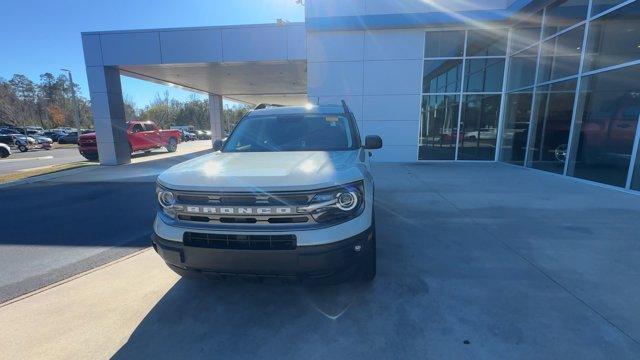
column 227, row 210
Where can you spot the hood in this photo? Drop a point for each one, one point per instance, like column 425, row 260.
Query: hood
column 264, row 171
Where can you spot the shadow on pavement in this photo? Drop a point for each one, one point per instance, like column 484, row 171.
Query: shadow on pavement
column 237, row 319
column 107, row 206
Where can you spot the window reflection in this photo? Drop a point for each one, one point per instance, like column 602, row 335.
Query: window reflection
column 526, row 32
column 484, row 75
column 599, row 6
column 516, row 126
column 444, row 44
column 560, row 56
column 614, row 38
column 611, row 105
column 522, row 69
column 438, row 127
column 479, row 127
column 563, row 14
column 442, row 76
column 554, row 108
column 487, row 42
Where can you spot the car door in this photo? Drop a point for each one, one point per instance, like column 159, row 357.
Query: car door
column 153, row 135
column 137, row 137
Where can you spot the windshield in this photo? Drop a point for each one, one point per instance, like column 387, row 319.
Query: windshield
column 299, row 132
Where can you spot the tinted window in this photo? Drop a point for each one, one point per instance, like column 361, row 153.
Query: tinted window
column 444, row 44
column 516, row 126
column 599, row 6
column 487, row 42
column 442, row 76
column 554, row 108
column 563, row 14
column 484, row 75
column 523, row 68
column 560, row 56
column 137, row 128
column 438, row 129
column 614, row 38
column 304, row 132
column 526, row 33
column 611, row 105
column 479, row 127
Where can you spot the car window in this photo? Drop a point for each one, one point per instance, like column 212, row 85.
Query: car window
column 301, row 132
column 137, row 128
column 150, row 127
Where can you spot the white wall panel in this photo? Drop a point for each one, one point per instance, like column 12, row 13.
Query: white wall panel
column 259, row 43
column 391, row 107
column 191, row 46
column 393, row 132
column 134, row 48
column 296, row 42
column 335, row 46
column 392, row 77
column 394, row 44
column 334, row 78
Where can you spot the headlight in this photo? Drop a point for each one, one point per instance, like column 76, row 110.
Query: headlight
column 338, row 203
column 167, row 199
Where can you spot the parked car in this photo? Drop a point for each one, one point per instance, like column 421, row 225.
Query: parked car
column 187, row 136
column 5, row 150
column 289, row 193
column 54, row 135
column 142, row 135
column 43, row 141
column 23, row 143
column 203, row 135
column 69, row 138
column 9, row 131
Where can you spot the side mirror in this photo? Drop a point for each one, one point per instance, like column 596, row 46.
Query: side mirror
column 372, row 142
column 217, row 144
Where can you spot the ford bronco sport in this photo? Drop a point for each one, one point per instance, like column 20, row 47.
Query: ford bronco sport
column 289, row 194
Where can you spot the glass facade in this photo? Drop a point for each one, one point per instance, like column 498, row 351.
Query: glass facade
column 462, row 92
column 570, row 102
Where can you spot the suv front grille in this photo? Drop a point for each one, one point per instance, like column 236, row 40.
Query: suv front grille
column 239, row 242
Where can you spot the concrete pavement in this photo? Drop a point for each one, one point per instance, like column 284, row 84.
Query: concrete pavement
column 78, row 220
column 475, row 261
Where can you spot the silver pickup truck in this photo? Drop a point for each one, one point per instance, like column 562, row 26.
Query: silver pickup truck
column 288, row 194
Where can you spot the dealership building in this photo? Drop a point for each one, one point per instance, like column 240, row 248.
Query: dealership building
column 547, row 85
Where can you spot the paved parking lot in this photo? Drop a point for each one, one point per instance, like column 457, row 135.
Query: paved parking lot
column 475, row 261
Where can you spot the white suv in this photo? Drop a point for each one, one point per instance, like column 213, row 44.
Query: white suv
column 289, row 193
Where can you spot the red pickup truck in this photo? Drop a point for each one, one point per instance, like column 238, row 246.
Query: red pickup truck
column 143, row 135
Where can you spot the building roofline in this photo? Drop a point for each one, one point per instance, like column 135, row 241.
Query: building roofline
column 193, row 28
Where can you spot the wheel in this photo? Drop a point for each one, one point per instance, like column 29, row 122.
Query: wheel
column 4, row 153
column 369, row 263
column 23, row 148
column 172, row 145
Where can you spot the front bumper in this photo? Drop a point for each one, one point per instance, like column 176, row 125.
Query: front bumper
column 313, row 261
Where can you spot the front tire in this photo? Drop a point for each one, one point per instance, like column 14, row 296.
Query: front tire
column 172, row 145
column 4, row 153
column 23, row 148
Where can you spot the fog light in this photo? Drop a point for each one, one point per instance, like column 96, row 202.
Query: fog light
column 347, row 201
column 166, row 198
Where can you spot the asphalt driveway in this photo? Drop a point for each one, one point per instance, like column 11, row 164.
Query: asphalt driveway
column 475, row 261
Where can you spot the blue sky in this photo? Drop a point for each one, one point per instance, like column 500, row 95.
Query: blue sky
column 39, row 36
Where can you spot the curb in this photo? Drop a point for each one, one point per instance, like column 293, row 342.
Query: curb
column 45, row 177
column 71, row 278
